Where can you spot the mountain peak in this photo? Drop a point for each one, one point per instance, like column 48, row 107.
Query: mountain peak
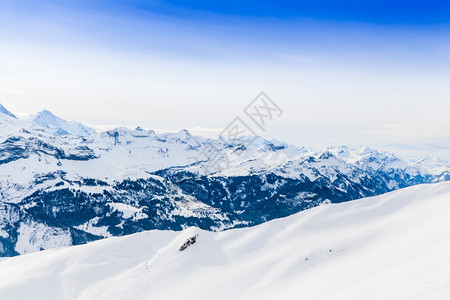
column 3, row 110
column 46, row 116
column 183, row 134
column 46, row 112
column 55, row 125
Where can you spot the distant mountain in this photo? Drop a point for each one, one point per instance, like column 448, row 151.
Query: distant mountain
column 9, row 124
column 393, row 246
column 58, row 126
column 66, row 189
column 44, row 120
column 3, row 110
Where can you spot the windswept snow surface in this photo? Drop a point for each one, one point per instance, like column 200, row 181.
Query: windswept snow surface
column 393, row 246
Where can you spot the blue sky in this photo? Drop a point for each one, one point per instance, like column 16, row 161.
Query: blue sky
column 346, row 72
column 381, row 12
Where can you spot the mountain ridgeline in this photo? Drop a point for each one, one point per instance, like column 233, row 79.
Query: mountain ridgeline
column 62, row 184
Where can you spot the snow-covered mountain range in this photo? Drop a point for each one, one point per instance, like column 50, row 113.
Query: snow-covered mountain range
column 61, row 183
column 392, row 246
column 58, row 126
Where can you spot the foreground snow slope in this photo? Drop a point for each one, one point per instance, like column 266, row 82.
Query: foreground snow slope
column 393, row 246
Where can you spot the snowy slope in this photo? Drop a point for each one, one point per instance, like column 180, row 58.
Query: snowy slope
column 61, row 189
column 3, row 110
column 44, row 120
column 8, row 122
column 393, row 246
column 55, row 125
